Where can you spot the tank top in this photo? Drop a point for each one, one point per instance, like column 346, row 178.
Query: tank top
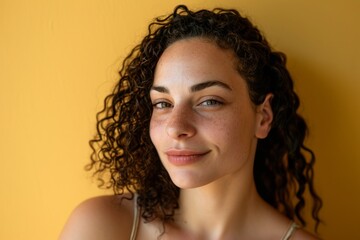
column 290, row 232
column 287, row 235
column 136, row 219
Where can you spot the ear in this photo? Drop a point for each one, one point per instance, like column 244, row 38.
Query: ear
column 264, row 117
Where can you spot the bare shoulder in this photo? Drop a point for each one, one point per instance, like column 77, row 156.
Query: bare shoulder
column 302, row 234
column 104, row 217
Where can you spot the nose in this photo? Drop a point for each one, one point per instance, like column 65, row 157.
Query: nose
column 180, row 124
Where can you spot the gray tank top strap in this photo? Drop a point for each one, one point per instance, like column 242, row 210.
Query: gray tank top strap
column 136, row 219
column 291, row 230
column 287, row 236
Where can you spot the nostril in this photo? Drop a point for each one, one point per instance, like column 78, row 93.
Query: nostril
column 176, row 132
column 180, row 127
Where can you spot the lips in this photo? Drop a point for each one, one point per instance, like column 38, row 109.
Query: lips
column 184, row 157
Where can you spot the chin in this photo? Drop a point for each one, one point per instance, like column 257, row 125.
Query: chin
column 188, row 182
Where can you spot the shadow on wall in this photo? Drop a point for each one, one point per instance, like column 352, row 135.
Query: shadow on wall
column 328, row 103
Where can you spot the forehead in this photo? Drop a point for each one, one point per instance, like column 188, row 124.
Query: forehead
column 197, row 47
column 198, row 57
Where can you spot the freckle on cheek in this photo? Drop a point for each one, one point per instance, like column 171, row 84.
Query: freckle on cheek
column 219, row 124
column 154, row 127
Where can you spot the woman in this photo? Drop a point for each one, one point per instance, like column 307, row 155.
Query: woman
column 200, row 139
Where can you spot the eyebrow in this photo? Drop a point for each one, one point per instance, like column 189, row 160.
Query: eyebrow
column 201, row 86
column 196, row 87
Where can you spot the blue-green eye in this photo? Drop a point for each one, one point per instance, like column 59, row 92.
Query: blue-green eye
column 161, row 105
column 210, row 102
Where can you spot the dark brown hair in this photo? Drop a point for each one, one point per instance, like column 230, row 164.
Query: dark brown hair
column 124, row 157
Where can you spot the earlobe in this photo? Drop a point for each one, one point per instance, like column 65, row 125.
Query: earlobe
column 264, row 117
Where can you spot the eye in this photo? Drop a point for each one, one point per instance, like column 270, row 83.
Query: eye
column 210, row 102
column 161, row 105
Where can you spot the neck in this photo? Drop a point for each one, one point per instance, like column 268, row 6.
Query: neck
column 221, row 207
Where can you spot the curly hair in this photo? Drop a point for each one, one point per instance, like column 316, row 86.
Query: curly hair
column 124, row 157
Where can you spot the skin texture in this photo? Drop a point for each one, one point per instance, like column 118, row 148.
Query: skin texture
column 214, row 128
column 124, row 158
column 206, row 138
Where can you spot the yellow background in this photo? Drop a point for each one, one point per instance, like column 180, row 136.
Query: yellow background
column 58, row 59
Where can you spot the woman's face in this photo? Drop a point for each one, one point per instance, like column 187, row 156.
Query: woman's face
column 204, row 125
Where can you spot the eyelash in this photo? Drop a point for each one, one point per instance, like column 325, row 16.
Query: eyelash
column 205, row 103
column 213, row 102
column 156, row 105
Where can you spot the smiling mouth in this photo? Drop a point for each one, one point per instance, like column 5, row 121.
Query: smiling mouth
column 184, row 157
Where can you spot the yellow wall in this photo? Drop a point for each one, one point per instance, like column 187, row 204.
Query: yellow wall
column 58, row 59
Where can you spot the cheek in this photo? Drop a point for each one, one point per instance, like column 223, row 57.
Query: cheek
column 232, row 132
column 155, row 131
column 225, row 124
column 219, row 128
